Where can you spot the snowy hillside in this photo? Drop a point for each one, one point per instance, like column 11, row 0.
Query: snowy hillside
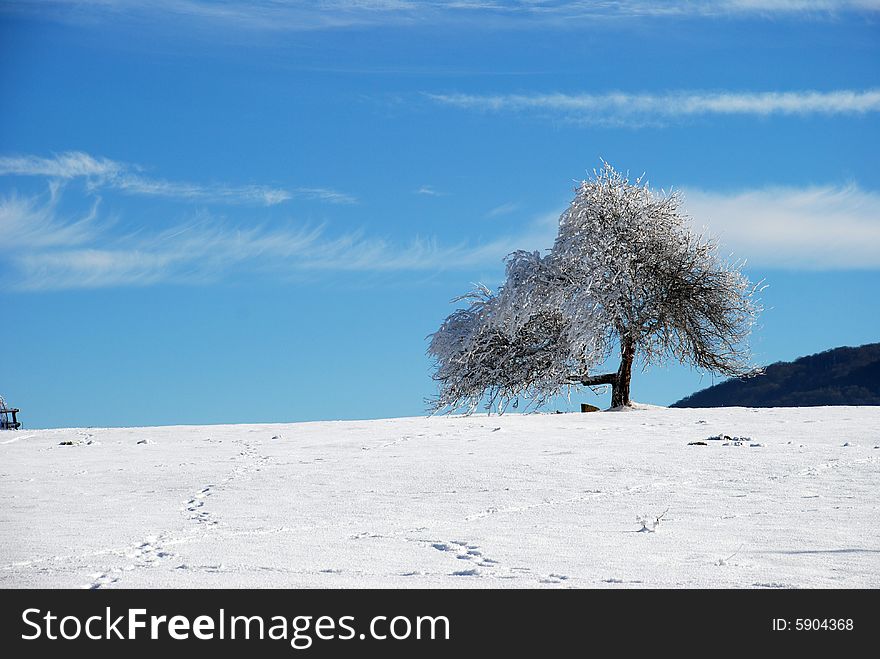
column 513, row 501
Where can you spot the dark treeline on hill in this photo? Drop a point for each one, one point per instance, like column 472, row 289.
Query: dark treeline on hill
column 842, row 376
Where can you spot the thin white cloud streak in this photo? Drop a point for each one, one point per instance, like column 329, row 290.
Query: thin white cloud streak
column 619, row 107
column 53, row 252
column 72, row 164
column 246, row 194
column 813, row 228
column 33, row 223
column 192, row 253
column 208, row 256
column 300, row 15
column 428, row 191
column 503, row 209
column 325, row 194
column 110, row 174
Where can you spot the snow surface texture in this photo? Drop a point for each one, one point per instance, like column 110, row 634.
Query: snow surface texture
column 570, row 500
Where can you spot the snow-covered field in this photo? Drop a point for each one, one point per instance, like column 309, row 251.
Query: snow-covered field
column 513, row 501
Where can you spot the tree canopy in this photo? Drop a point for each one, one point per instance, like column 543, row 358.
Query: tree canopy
column 625, row 273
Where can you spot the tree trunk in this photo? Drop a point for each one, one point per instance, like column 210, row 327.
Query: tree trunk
column 620, row 388
column 619, row 381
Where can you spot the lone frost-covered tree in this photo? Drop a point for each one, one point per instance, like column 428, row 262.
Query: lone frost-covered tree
column 625, row 275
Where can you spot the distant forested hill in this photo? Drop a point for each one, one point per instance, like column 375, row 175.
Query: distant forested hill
column 842, row 376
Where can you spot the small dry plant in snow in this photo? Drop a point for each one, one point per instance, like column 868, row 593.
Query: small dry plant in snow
column 654, row 522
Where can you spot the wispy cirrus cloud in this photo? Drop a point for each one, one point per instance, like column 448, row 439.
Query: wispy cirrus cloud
column 34, row 222
column 428, row 191
column 620, row 107
column 299, row 15
column 72, row 164
column 54, row 251
column 224, row 194
column 818, row 227
column 325, row 194
column 503, row 209
column 813, row 228
column 101, row 172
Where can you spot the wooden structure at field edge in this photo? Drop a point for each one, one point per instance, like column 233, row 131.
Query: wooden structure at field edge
column 5, row 423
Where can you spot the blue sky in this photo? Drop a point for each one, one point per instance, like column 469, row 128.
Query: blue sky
column 236, row 212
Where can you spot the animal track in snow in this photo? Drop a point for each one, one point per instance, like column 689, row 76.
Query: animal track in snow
column 769, row 584
column 387, row 444
column 834, row 463
column 152, row 550
column 147, row 553
column 195, row 504
column 616, row 580
column 586, row 496
column 102, row 580
column 484, row 566
column 366, row 534
column 465, row 551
